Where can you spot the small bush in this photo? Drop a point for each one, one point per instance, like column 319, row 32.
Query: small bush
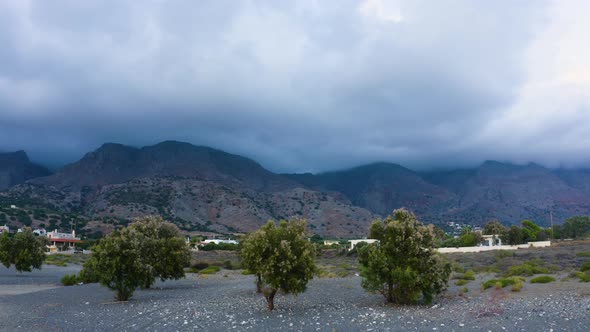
column 584, row 277
column 469, row 275
column 583, row 254
column 210, row 270
column 200, row 265
column 458, row 268
column 504, row 254
column 527, row 269
column 464, row 290
column 247, row 272
column 342, row 274
column 461, row 282
column 69, row 279
column 517, row 285
column 501, row 283
column 585, row 267
column 542, row 280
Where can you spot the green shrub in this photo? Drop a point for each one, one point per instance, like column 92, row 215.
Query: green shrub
column 247, row 272
column 343, row 274
column 457, row 268
column 583, row 254
column 69, row 279
column 517, row 285
column 210, row 270
column 461, row 282
column 501, row 283
column 200, row 265
column 585, row 267
column 192, row 270
column 464, row 290
column 542, row 280
column 584, row 277
column 527, row 269
column 504, row 254
column 469, row 275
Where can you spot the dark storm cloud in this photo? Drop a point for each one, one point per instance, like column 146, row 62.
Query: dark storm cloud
column 302, row 86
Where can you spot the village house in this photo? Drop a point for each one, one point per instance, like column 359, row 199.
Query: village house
column 62, row 241
column 491, row 240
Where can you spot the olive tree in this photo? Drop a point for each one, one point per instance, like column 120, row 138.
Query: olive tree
column 494, row 227
column 24, row 250
column 281, row 256
column 163, row 251
column 135, row 256
column 403, row 265
column 117, row 264
column 252, row 246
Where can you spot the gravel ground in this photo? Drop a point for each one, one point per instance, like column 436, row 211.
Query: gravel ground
column 227, row 301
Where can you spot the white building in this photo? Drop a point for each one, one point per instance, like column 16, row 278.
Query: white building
column 354, row 243
column 4, row 229
column 491, row 240
column 218, row 241
column 40, row 231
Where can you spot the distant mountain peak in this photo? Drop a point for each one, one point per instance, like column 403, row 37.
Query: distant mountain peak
column 16, row 168
column 114, row 163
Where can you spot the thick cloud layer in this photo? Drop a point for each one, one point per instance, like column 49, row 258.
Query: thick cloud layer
column 304, row 86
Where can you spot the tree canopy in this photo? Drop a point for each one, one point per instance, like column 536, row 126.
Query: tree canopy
column 494, row 227
column 163, row 250
column 24, row 250
column 575, row 227
column 135, row 256
column 403, row 265
column 281, row 257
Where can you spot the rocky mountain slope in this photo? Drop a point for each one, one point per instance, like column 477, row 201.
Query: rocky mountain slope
column 494, row 190
column 16, row 168
column 203, row 189
column 382, row 187
column 199, row 188
column 510, row 193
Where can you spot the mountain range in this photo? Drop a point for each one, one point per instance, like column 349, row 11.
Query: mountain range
column 204, row 189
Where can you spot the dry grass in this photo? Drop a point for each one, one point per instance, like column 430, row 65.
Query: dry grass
column 561, row 256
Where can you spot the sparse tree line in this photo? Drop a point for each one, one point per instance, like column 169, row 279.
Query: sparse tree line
column 573, row 228
column 403, row 265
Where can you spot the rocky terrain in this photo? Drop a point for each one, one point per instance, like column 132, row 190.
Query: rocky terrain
column 228, row 301
column 204, row 189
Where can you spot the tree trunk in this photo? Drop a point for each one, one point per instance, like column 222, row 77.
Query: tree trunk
column 269, row 294
column 258, row 283
column 390, row 293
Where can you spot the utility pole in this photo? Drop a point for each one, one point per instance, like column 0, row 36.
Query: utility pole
column 552, row 230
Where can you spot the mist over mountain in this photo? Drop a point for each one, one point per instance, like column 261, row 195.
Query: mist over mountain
column 205, row 189
column 16, row 168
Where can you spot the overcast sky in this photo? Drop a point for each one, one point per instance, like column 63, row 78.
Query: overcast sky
column 310, row 85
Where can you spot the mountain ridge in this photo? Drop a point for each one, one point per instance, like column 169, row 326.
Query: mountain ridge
column 201, row 187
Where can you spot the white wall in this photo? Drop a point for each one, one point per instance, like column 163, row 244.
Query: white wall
column 537, row 244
